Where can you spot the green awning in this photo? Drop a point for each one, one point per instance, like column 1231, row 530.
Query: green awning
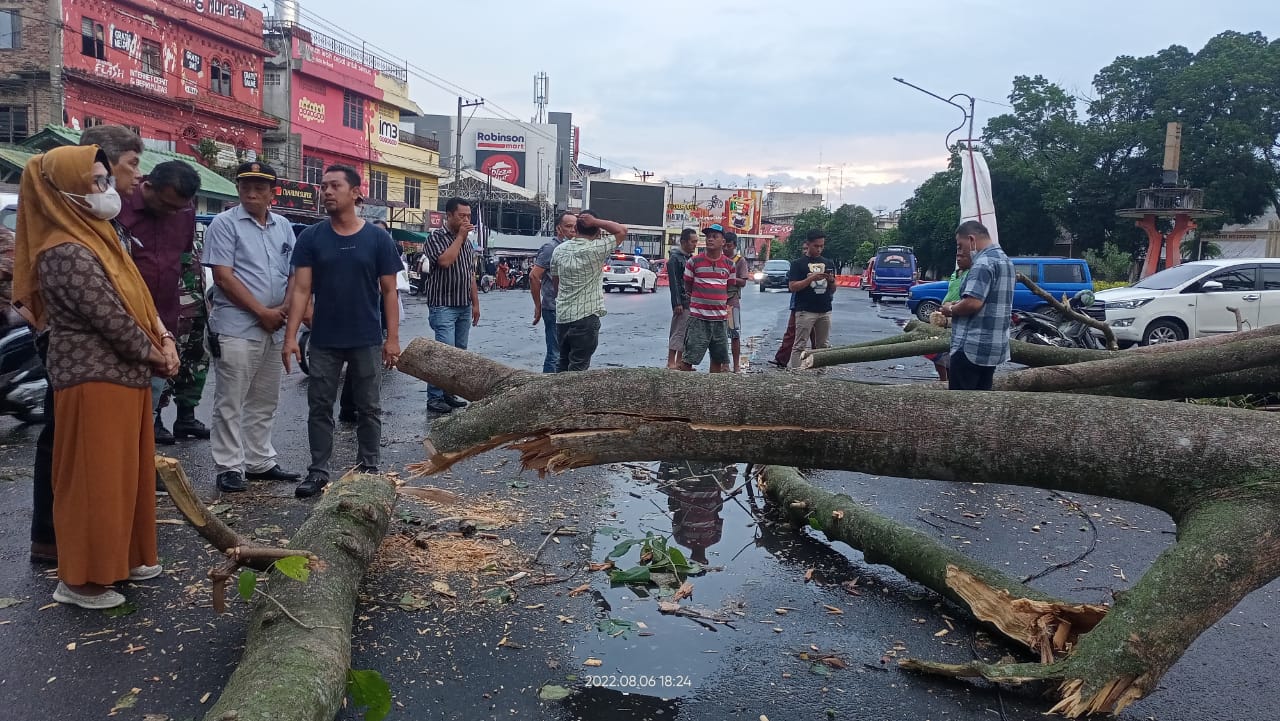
column 212, row 185
column 15, row 158
column 408, row 236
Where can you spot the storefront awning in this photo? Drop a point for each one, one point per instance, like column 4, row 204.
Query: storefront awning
column 408, row 236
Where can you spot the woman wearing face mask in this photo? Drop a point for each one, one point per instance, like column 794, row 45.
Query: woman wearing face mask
column 105, row 342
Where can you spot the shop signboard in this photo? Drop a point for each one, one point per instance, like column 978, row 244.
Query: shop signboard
column 296, row 195
column 501, row 156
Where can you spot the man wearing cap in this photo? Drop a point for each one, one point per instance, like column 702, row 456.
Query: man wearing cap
column 249, row 250
column 739, row 280
column 707, row 276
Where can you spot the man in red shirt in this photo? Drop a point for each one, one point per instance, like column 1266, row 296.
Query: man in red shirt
column 708, row 276
column 161, row 223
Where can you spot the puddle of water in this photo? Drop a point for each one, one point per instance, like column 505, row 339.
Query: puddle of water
column 689, row 504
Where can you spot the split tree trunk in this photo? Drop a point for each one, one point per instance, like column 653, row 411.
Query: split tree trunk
column 292, row 672
column 1212, row 469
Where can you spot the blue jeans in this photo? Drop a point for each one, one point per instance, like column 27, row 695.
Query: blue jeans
column 553, row 344
column 452, row 325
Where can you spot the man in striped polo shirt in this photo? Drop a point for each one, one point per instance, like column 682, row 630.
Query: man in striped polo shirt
column 707, row 276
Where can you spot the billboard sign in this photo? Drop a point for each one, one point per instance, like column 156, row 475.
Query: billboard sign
column 737, row 209
column 495, row 141
column 507, row 166
column 628, row 203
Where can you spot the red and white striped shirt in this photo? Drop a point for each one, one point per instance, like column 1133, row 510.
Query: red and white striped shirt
column 708, row 281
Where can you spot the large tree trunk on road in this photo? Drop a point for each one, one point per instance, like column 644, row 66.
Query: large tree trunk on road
column 291, row 672
column 1212, row 469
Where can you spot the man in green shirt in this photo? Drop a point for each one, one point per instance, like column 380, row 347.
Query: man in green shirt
column 577, row 265
column 964, row 261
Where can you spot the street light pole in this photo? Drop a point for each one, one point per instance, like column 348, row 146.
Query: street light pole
column 968, row 114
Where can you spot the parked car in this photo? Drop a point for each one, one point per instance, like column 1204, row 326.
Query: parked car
column 892, row 272
column 1059, row 276
column 624, row 271
column 773, row 275
column 1191, row 301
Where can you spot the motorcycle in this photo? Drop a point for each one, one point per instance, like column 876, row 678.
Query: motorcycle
column 1042, row 329
column 415, row 282
column 23, row 382
column 486, row 283
column 518, row 279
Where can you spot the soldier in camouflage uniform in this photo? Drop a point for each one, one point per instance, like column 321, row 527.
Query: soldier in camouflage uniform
column 187, row 387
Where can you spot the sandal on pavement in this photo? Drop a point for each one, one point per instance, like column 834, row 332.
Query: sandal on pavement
column 108, row 599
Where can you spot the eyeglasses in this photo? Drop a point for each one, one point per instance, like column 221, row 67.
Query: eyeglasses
column 103, row 182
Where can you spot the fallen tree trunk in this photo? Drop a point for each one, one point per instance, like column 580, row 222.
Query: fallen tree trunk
column 298, row 649
column 1212, row 469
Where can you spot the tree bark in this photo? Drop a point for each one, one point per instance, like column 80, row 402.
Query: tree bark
column 1212, row 469
column 292, row 672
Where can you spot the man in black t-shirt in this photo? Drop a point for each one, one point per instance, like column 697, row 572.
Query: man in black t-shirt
column 350, row 266
column 813, row 281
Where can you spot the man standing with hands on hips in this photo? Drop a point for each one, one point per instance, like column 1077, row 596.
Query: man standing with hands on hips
column 980, row 319
column 813, row 280
column 450, row 288
column 350, row 267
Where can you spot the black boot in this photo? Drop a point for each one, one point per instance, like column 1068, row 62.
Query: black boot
column 163, row 436
column 187, row 426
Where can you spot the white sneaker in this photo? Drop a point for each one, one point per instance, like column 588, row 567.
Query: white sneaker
column 145, row 573
column 109, row 599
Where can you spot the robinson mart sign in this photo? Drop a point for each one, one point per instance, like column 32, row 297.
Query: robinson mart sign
column 499, row 141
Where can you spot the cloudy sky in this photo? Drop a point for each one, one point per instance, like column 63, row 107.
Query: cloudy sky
column 713, row 90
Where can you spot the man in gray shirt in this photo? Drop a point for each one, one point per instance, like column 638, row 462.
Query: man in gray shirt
column 249, row 250
column 543, row 288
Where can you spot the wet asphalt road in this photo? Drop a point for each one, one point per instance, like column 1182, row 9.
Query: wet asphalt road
column 450, row 654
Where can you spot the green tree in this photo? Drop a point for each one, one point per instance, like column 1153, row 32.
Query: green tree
column 812, row 219
column 864, row 254
column 847, row 229
column 1110, row 264
column 929, row 219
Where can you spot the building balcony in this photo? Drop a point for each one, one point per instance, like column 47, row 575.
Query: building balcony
column 1170, row 199
column 418, row 141
column 391, row 68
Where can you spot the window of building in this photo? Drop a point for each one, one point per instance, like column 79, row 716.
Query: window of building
column 13, row 123
column 136, row 130
column 93, row 39
column 220, row 77
column 152, row 64
column 312, row 170
column 378, row 185
column 90, row 121
column 352, row 110
column 413, row 192
column 10, row 30
column 271, row 78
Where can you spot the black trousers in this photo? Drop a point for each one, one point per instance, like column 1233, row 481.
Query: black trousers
column 42, row 488
column 964, row 375
column 578, row 341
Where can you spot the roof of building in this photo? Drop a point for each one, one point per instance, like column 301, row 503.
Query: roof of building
column 501, row 185
column 211, row 184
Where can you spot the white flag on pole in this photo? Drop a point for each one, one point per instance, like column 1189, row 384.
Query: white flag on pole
column 975, row 191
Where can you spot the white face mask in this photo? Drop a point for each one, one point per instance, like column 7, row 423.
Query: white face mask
column 104, row 206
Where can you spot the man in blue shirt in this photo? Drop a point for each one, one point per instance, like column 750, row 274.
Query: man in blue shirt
column 248, row 250
column 543, row 288
column 350, row 267
column 980, row 319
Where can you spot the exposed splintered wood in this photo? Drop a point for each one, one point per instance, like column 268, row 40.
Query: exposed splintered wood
column 1212, row 469
column 298, row 651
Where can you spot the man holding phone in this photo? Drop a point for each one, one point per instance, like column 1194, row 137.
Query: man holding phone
column 813, row 281
column 450, row 288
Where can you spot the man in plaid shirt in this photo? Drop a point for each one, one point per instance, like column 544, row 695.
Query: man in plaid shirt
column 980, row 325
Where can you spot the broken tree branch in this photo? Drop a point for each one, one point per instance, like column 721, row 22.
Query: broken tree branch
column 1065, row 309
column 295, row 663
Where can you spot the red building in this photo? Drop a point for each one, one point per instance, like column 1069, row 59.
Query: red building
column 184, row 73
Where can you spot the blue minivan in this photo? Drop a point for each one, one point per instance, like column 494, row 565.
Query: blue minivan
column 1059, row 276
column 892, row 272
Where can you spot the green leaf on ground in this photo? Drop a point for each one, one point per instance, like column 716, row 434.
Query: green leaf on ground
column 819, row 669
column 246, row 583
column 411, row 601
column 501, row 594
column 519, row 484
column 552, row 692
column 124, row 609
column 128, row 700
column 370, row 691
column 296, row 567
column 637, row 574
column 614, row 627
column 814, row 523
column 677, row 558
column 624, row 548
column 9, row 601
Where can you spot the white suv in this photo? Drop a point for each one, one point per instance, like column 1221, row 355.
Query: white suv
column 1191, row 301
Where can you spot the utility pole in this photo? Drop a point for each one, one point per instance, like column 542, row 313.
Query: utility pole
column 457, row 149
column 643, row 175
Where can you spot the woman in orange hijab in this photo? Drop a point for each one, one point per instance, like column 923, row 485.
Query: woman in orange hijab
column 72, row 274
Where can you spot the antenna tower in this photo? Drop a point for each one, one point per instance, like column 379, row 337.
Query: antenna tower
column 541, row 96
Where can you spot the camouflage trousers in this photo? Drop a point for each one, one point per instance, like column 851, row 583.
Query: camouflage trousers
column 187, row 387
